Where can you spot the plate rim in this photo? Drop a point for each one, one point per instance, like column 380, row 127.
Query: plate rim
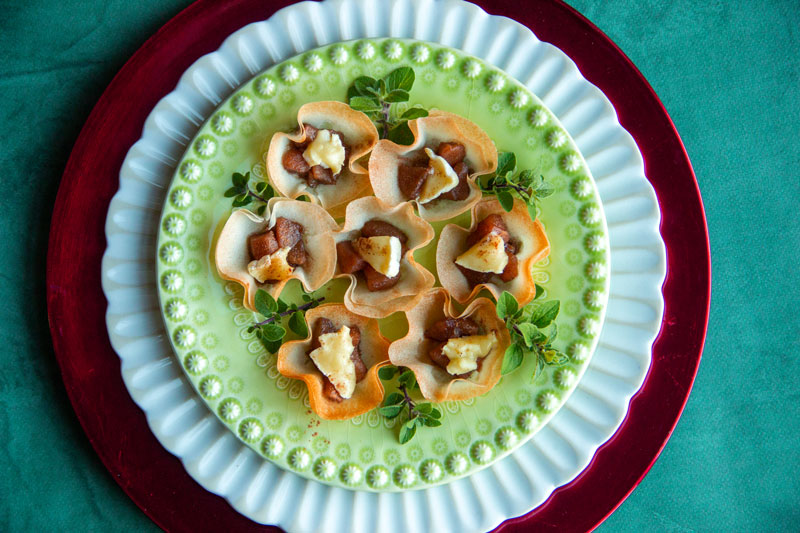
column 74, row 184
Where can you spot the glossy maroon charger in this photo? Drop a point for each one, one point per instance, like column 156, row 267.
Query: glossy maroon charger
column 117, row 428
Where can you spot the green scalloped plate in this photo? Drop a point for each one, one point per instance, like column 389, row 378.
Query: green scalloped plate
column 239, row 381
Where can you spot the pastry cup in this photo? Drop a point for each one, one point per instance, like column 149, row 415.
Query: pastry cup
column 412, row 350
column 534, row 247
column 232, row 254
column 293, row 362
column 414, row 278
column 359, row 134
column 439, row 126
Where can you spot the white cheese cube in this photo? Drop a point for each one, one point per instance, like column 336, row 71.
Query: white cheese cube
column 442, row 179
column 382, row 253
column 464, row 352
column 326, row 150
column 272, row 267
column 333, row 359
column 487, row 255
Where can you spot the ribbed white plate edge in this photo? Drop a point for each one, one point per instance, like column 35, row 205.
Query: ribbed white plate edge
column 511, row 487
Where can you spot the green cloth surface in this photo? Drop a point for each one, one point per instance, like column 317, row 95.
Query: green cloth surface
column 728, row 74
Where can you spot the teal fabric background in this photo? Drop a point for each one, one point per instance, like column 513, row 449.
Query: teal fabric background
column 727, row 72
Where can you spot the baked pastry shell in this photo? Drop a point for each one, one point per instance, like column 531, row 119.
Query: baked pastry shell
column 412, row 350
column 293, row 362
column 232, row 254
column 438, row 126
column 534, row 247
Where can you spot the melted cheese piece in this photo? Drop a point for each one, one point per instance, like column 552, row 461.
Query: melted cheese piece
column 464, row 352
column 326, row 150
column 487, row 255
column 442, row 179
column 382, row 253
column 333, row 359
column 272, row 267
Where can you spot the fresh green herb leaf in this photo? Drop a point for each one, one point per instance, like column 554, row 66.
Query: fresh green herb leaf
column 545, row 313
column 505, row 199
column 414, row 112
column 366, row 104
column 531, row 334
column 233, row 191
column 394, row 398
column 273, row 332
column 432, row 422
column 506, row 162
column 506, row 305
column 398, row 95
column 512, row 359
column 401, row 134
column 265, row 303
column 387, row 372
column 435, row 413
column 539, row 291
column 424, row 408
column 390, row 411
column 401, row 78
column 297, row 323
column 407, row 431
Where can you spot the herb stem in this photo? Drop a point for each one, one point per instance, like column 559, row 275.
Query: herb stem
column 288, row 312
column 256, row 196
column 385, row 119
column 409, row 402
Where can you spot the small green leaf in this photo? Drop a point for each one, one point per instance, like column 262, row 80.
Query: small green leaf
column 407, row 378
column 414, row 112
column 432, row 422
column 545, row 313
column 261, row 186
column 401, row 134
column 365, row 85
column 390, row 411
column 394, row 398
column 506, row 305
column 505, row 199
column 435, row 413
column 544, row 190
column 365, row 103
column 271, row 346
column 532, row 211
column 297, row 323
column 526, row 178
column 401, row 78
column 506, row 162
column 265, row 303
column 387, row 372
column 261, row 209
column 239, row 180
column 539, row 291
column 273, row 332
column 307, row 297
column 408, row 431
column 531, row 334
column 282, row 305
column 233, row 191
column 512, row 359
column 424, row 408
column 398, row 95
column 241, row 200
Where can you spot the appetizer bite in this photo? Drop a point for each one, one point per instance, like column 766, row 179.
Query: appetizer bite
column 438, row 170
column 321, row 159
column 375, row 249
column 295, row 241
column 339, row 362
column 497, row 252
column 452, row 357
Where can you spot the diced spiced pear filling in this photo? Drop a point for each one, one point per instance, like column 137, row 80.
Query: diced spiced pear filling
column 337, row 356
column 320, row 158
column 276, row 252
column 459, row 346
column 435, row 175
column 490, row 251
column 376, row 254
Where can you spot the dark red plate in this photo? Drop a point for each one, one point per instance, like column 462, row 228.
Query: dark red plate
column 117, row 429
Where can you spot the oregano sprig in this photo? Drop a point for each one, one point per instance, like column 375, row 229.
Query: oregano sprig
column 375, row 98
column 533, row 331
column 506, row 183
column 243, row 195
column 416, row 414
column 269, row 331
